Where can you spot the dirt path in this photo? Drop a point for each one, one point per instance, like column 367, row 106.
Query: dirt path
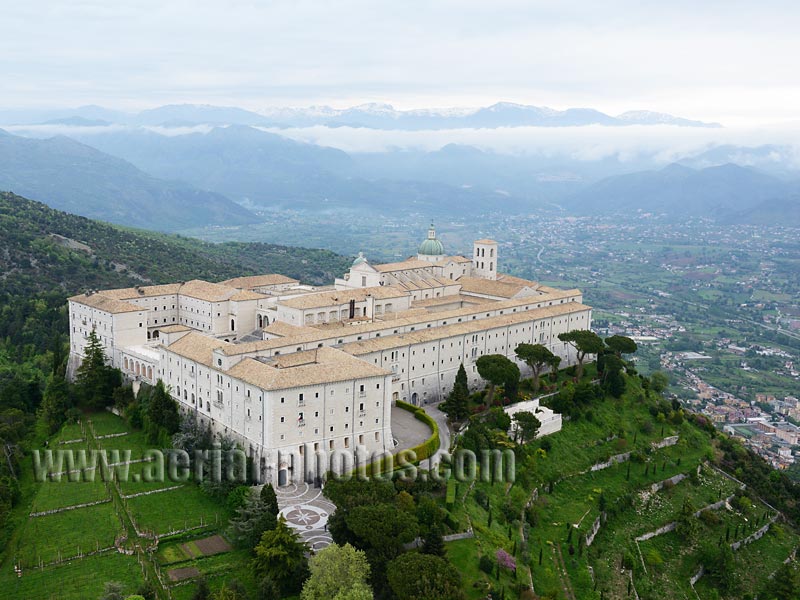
column 566, row 585
column 146, row 560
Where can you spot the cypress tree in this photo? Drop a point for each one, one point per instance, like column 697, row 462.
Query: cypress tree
column 434, row 543
column 457, row 404
column 270, row 499
column 95, row 380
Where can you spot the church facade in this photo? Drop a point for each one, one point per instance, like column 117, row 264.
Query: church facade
column 287, row 369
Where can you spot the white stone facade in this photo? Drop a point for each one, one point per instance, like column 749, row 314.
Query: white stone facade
column 319, row 368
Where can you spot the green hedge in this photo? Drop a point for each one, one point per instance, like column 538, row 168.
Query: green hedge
column 429, row 447
column 422, row 451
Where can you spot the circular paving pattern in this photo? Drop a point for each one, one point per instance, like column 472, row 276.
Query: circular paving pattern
column 305, row 516
column 306, row 511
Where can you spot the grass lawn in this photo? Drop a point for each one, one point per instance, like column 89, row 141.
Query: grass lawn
column 176, row 509
column 171, row 553
column 464, row 555
column 68, row 433
column 218, row 570
column 68, row 532
column 57, row 494
column 78, row 580
column 105, row 423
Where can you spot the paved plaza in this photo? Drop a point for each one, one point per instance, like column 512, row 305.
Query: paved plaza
column 306, row 510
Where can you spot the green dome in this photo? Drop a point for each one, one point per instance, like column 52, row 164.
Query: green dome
column 360, row 259
column 431, row 248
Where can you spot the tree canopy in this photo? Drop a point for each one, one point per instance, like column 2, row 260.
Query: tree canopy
column 414, row 576
column 621, row 344
column 337, row 572
column 280, row 555
column 537, row 357
column 527, row 425
column 585, row 342
column 497, row 370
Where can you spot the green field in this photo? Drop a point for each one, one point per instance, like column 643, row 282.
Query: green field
column 67, row 533
column 79, row 580
column 177, row 509
column 44, row 539
column 58, row 494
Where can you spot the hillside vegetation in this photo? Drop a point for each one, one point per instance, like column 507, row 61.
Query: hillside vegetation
column 71, row 176
column 46, row 250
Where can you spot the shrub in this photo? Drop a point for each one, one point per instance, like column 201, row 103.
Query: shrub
column 482, row 499
column 486, row 564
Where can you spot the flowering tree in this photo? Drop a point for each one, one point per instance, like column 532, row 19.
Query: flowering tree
column 505, row 560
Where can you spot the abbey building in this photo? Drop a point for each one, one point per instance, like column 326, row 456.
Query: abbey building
column 282, row 366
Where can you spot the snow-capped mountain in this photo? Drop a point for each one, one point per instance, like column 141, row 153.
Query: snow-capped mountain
column 371, row 116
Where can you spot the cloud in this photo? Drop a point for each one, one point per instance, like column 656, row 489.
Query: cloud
column 680, row 57
column 662, row 142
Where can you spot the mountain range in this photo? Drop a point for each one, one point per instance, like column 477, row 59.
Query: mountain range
column 79, row 179
column 268, row 172
column 727, row 193
column 372, row 116
column 225, row 175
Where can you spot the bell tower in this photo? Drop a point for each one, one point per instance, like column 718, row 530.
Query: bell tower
column 484, row 259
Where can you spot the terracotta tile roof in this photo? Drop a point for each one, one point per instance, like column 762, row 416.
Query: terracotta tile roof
column 254, row 281
column 174, row 328
column 485, row 241
column 416, row 316
column 313, row 367
column 197, row 347
column 499, row 288
column 105, row 303
column 449, row 299
column 338, row 297
column 444, row 331
column 411, row 263
column 282, row 329
column 246, row 295
column 142, row 291
column 206, row 291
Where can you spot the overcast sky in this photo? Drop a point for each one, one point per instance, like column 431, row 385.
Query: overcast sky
column 724, row 61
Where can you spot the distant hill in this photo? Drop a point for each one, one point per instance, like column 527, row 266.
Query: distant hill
column 781, row 211
column 266, row 171
column 779, row 160
column 371, row 115
column 46, row 250
column 198, row 113
column 244, row 163
column 677, row 191
column 77, row 178
column 502, row 114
